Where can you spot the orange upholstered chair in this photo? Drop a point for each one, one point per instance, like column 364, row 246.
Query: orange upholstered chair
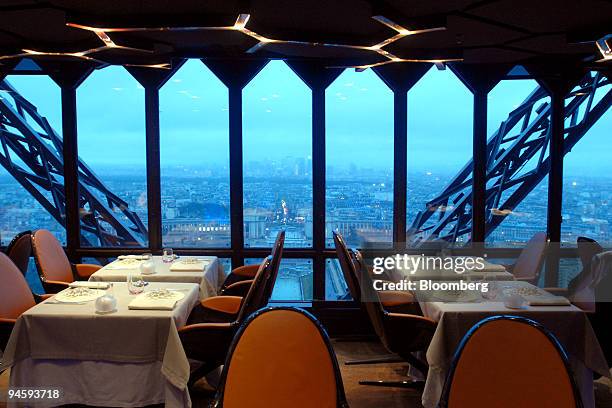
column 509, row 362
column 282, row 358
column 239, row 279
column 20, row 250
column 400, row 330
column 54, row 268
column 529, row 263
column 15, row 297
column 208, row 341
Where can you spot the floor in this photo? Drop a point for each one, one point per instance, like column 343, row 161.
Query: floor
column 360, row 396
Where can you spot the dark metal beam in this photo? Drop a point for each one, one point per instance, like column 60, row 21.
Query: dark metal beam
column 236, row 74
column 317, row 78
column 400, row 78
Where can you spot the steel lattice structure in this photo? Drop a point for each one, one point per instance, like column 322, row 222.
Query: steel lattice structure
column 517, row 161
column 32, row 154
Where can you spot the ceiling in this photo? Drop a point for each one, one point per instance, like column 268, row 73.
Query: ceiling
column 339, row 32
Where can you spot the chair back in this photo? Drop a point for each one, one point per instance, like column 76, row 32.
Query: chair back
column 347, row 266
column 510, row 361
column 275, row 259
column 51, row 260
column 581, row 289
column 529, row 262
column 20, row 250
column 370, row 300
column 257, row 298
column 14, row 290
column 281, row 357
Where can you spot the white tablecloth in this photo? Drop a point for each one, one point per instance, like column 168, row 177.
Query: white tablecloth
column 491, row 271
column 209, row 280
column 126, row 358
column 568, row 323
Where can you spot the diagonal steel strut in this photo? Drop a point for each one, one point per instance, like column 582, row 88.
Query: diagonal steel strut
column 34, row 158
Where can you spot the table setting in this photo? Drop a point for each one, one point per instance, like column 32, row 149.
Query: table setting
column 455, row 317
column 143, row 269
column 83, row 337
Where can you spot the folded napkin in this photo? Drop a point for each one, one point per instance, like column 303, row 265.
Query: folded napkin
column 187, row 265
column 145, row 301
column 123, row 264
column 549, row 301
column 90, row 285
column 136, row 257
column 491, row 267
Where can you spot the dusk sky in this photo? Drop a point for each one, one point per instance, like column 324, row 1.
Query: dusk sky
column 277, row 119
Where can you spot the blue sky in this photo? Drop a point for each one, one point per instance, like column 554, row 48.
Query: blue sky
column 277, row 119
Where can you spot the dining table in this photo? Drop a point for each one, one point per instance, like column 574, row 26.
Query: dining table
column 206, row 271
column 566, row 322
column 129, row 356
column 432, row 268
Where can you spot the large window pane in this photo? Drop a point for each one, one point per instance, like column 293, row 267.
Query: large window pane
column 439, row 146
column 111, row 125
column 521, row 210
column 294, row 281
column 194, row 128
column 587, row 178
column 277, row 155
column 19, row 209
column 359, row 160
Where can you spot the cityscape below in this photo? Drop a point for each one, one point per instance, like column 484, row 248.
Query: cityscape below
column 359, row 202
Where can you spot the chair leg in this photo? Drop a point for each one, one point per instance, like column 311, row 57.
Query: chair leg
column 422, row 367
column 200, row 372
column 412, row 384
column 376, row 360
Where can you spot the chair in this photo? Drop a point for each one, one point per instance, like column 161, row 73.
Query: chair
column 208, row 342
column 15, row 296
column 581, row 289
column 587, row 249
column 601, row 284
column 401, row 333
column 509, row 361
column 238, row 280
column 393, row 301
column 281, row 357
column 529, row 263
column 20, row 250
column 55, row 270
column 224, row 308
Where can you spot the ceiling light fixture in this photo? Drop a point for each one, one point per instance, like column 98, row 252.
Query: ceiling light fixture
column 240, row 26
column 604, row 45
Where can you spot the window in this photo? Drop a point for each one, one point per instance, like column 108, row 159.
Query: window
column 439, row 146
column 294, row 281
column 587, row 181
column 194, row 139
column 359, row 160
column 277, row 143
column 20, row 209
column 335, row 285
column 111, row 126
column 521, row 210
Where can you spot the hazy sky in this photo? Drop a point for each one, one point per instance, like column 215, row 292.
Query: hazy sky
column 277, row 119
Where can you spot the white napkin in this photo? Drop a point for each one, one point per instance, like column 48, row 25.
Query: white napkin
column 187, row 266
column 90, row 285
column 136, row 257
column 549, row 301
column 123, row 264
column 145, row 302
column 491, row 267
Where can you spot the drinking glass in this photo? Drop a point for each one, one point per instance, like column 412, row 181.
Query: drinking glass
column 135, row 283
column 168, row 255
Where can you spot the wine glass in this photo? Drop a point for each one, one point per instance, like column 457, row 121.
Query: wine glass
column 168, row 255
column 135, row 283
